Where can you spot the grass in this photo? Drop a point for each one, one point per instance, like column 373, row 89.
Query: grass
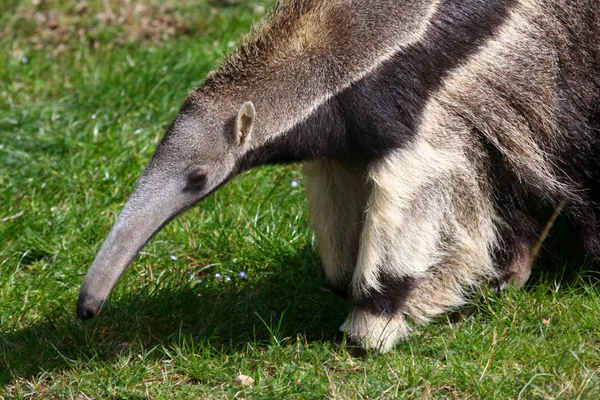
column 83, row 102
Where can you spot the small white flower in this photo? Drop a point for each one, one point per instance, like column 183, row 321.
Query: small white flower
column 173, row 257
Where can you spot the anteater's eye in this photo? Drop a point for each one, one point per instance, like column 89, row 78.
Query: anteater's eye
column 197, row 179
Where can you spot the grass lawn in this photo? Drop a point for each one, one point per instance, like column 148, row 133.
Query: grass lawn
column 86, row 91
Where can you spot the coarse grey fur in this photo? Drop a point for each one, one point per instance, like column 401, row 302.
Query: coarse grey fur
column 430, row 132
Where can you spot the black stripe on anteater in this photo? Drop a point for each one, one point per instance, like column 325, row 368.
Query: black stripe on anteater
column 381, row 112
column 390, row 299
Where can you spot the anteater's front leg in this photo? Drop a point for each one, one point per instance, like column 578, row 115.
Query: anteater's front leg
column 427, row 240
column 336, row 193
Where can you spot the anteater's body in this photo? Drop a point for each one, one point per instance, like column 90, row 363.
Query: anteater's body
column 430, row 131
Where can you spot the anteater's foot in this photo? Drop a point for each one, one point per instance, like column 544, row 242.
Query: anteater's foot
column 379, row 333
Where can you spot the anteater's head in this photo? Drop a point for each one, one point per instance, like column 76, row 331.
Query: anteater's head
column 200, row 152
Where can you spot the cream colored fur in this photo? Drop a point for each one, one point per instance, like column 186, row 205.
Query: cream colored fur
column 337, row 196
column 419, row 197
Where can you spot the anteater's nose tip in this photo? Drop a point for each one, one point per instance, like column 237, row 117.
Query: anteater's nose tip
column 88, row 308
column 85, row 313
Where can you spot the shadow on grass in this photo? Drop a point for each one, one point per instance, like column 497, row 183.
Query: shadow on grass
column 225, row 316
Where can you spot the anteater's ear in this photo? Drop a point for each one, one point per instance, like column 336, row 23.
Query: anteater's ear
column 244, row 123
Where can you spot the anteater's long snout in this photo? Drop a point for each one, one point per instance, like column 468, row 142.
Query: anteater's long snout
column 124, row 241
column 143, row 215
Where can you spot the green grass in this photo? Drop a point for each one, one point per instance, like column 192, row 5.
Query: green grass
column 80, row 114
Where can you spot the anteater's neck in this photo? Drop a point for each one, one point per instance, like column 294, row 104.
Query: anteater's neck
column 329, row 77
